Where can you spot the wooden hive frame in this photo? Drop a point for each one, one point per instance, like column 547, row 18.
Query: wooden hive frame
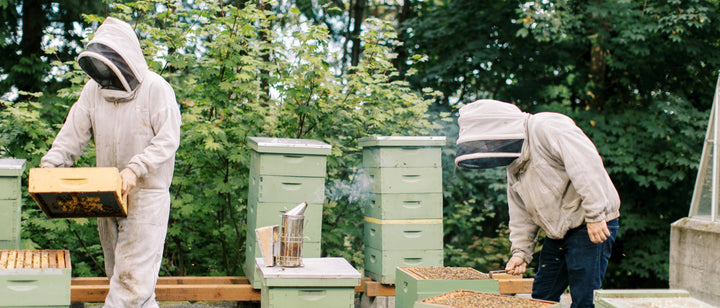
column 34, row 259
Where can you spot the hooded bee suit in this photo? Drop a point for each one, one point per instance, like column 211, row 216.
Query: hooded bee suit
column 134, row 120
column 556, row 178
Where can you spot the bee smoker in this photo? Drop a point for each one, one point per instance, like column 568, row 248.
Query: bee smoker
column 285, row 251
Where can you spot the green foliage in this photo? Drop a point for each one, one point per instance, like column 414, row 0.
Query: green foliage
column 237, row 74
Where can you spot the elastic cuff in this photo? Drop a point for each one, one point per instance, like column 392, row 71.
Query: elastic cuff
column 138, row 170
column 523, row 256
column 597, row 218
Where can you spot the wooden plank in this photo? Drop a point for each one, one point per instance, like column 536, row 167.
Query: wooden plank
column 3, row 258
column 19, row 259
column 505, row 276
column 60, row 259
column 88, row 293
column 181, row 280
column 29, row 255
column 44, row 259
column 203, row 280
column 36, row 260
column 515, row 286
column 207, row 292
column 66, row 257
column 89, row 281
column 172, row 292
column 52, row 259
column 374, row 288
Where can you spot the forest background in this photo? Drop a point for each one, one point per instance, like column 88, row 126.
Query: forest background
column 637, row 76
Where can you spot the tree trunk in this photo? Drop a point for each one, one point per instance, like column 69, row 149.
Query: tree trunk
column 358, row 15
column 29, row 77
column 401, row 50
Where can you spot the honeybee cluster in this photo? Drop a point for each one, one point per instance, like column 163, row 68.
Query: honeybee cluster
column 83, row 204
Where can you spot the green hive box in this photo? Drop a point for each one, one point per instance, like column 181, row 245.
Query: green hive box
column 283, row 173
column 380, row 264
column 404, row 180
column 11, row 171
column 646, row 298
column 481, row 300
column 289, row 164
column 404, row 206
column 293, row 189
column 35, row 278
column 403, row 234
column 412, row 285
column 319, row 283
column 402, row 151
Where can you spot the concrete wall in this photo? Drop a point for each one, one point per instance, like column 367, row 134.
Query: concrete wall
column 695, row 258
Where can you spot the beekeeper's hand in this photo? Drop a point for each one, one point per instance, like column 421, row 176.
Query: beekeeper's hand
column 516, row 266
column 129, row 180
column 598, row 231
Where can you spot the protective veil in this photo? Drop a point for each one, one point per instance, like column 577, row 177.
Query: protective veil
column 491, row 134
column 133, row 117
column 556, row 178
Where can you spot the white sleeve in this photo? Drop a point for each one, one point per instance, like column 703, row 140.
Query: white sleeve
column 73, row 136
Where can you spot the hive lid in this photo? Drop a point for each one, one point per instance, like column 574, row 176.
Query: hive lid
column 11, row 167
column 34, row 259
column 288, row 146
column 326, row 272
column 402, row 141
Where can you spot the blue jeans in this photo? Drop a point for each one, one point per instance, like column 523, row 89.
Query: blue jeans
column 573, row 261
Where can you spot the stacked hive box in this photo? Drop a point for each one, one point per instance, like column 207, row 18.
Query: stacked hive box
column 403, row 220
column 35, row 278
column 283, row 174
column 10, row 202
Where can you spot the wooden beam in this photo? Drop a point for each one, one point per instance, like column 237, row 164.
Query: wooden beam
column 374, row 288
column 515, row 286
column 207, row 292
column 94, row 289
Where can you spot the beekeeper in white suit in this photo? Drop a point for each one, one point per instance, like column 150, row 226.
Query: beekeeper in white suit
column 133, row 117
column 557, row 182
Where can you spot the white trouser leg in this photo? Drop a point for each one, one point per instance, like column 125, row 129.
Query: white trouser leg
column 133, row 248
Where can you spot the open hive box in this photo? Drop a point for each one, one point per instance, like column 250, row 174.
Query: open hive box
column 416, row 283
column 473, row 299
column 38, row 278
column 77, row 192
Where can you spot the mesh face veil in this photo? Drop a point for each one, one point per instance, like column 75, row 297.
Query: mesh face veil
column 101, row 73
column 107, row 68
column 469, row 149
column 491, row 134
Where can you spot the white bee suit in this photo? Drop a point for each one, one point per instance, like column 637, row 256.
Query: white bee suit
column 134, row 119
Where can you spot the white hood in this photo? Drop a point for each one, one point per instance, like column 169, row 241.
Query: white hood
column 491, row 134
column 114, row 59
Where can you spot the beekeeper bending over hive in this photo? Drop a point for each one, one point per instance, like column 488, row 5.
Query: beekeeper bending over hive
column 556, row 181
column 134, row 120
